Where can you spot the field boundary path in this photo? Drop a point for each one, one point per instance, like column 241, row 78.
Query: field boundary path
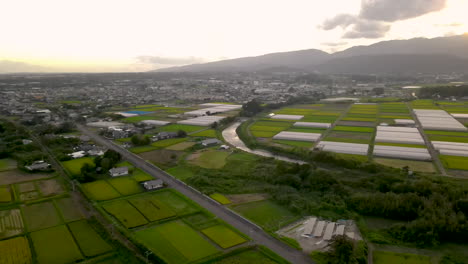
column 257, row 234
column 430, row 148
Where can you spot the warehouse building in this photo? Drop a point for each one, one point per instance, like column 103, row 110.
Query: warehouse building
column 451, row 148
column 288, row 117
column 312, row 124
column 402, row 152
column 402, row 135
column 202, row 120
column 341, row 147
column 438, row 120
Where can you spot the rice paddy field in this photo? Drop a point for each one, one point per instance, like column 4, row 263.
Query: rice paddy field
column 256, row 256
column 168, row 142
column 89, row 241
column 125, row 185
column 15, row 250
column 223, row 236
column 180, row 172
column 385, row 257
column 211, row 159
column 100, row 190
column 454, row 162
column 74, row 166
column 220, row 198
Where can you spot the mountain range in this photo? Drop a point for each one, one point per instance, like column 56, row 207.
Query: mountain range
column 418, row 55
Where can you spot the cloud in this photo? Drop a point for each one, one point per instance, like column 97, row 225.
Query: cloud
column 169, row 60
column 375, row 16
column 334, row 44
column 8, row 66
column 394, row 10
column 454, row 24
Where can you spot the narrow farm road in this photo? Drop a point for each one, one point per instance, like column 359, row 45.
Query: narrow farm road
column 257, row 234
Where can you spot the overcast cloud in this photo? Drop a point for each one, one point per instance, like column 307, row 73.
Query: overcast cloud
column 169, row 60
column 375, row 17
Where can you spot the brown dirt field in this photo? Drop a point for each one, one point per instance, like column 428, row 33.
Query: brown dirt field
column 50, row 187
column 29, row 196
column 15, row 176
column 26, row 187
column 181, row 146
column 355, row 123
column 13, row 224
column 162, row 156
column 246, row 198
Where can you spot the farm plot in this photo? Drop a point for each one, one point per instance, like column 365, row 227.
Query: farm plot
column 100, row 190
column 178, row 203
column 201, row 220
column 40, row 216
column 223, row 236
column 15, row 251
column 302, row 144
column 181, row 146
column 125, row 185
column 247, row 257
column 266, row 213
column 50, row 187
column 16, row 176
column 268, row 128
column 384, row 257
column 5, row 194
column 7, row 164
column 162, row 157
column 168, row 142
column 152, row 209
column 27, row 191
column 423, row 104
column 220, row 198
column 55, row 246
column 140, row 176
column 211, row 159
column 89, row 241
column 207, row 133
column 142, row 149
column 180, row 172
column 176, row 242
column 413, row 165
column 125, row 213
column 177, row 127
column 354, row 129
column 454, row 162
column 349, row 137
column 11, row 223
column 74, row 166
column 306, row 130
column 69, row 209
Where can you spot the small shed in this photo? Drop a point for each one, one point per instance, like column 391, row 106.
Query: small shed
column 120, row 171
column 153, row 185
column 210, row 142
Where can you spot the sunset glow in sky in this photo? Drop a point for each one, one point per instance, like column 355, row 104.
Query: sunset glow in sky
column 138, row 35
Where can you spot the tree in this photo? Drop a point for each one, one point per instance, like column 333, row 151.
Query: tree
column 181, row 133
column 251, row 108
column 341, row 250
column 214, row 125
column 140, row 140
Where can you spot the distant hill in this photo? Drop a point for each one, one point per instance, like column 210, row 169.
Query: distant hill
column 418, row 55
column 7, row 66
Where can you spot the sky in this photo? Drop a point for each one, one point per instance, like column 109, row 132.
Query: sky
column 140, row 35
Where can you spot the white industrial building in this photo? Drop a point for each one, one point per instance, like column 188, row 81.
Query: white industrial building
column 297, row 136
column 341, row 147
column 402, row 135
column 155, row 122
column 319, row 229
column 329, row 231
column 312, row 124
column 288, row 117
column 202, row 120
column 309, row 226
column 213, row 108
column 438, row 120
column 402, row 152
column 451, row 148
column 404, row 122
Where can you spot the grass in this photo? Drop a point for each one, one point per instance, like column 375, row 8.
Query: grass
column 354, row 129
column 125, row 164
column 176, row 242
column 74, row 166
column 446, row 133
column 15, row 250
column 100, row 190
column 5, row 195
column 273, row 124
column 40, row 216
column 211, row 159
column 266, row 128
column 177, row 127
column 70, row 211
column 7, row 164
column 348, row 140
column 266, row 213
column 384, row 257
column 180, row 172
column 181, row 146
column 223, row 236
column 152, row 209
column 125, row 185
column 422, row 166
column 55, row 246
column 136, row 119
column 141, row 176
column 142, row 149
column 89, row 241
column 242, row 156
column 178, row 203
column 306, row 130
column 448, row 138
column 207, row 133
column 125, row 213
column 294, row 143
column 399, row 145
column 220, row 198
column 168, row 142
column 359, row 119
column 263, row 134
column 454, row 162
column 246, row 257
column 360, row 158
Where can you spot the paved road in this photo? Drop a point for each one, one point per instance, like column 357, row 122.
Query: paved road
column 253, row 231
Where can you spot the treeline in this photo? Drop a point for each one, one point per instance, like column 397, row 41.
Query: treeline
column 444, row 91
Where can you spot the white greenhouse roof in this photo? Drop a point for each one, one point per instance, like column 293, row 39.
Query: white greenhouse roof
column 289, row 117
column 404, row 121
column 298, row 136
column 451, row 148
column 402, row 152
column 398, row 129
column 309, row 226
column 400, row 140
column 155, row 122
column 460, row 115
column 346, row 148
column 390, row 134
column 319, row 229
column 312, row 124
column 213, row 108
column 438, row 120
column 340, row 230
column 329, row 231
column 202, row 120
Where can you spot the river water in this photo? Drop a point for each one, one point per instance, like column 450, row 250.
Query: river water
column 230, row 135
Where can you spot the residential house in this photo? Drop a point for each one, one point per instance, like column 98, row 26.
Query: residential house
column 153, row 185
column 210, row 142
column 166, row 135
column 38, row 165
column 120, row 171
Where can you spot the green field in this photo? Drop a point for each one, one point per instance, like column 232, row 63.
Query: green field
column 141, row 176
column 125, row 185
column 294, row 143
column 246, row 257
column 448, row 138
column 5, row 195
column 74, row 166
column 266, row 128
column 242, row 156
column 7, row 164
column 266, row 213
column 399, row 145
column 454, row 162
column 125, row 213
column 423, row 166
column 178, row 203
column 263, row 134
column 306, row 130
column 40, row 216
column 211, row 159
column 100, row 190
column 354, row 129
column 15, row 250
column 152, row 209
column 168, row 142
column 384, row 257
column 90, row 243
column 136, row 119
column 207, row 133
column 70, row 211
column 220, row 198
column 142, row 149
column 181, row 146
column 180, row 172
column 446, row 133
column 223, row 236
column 176, row 242
column 177, row 127
column 55, row 246
column 270, row 123
column 362, row 119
